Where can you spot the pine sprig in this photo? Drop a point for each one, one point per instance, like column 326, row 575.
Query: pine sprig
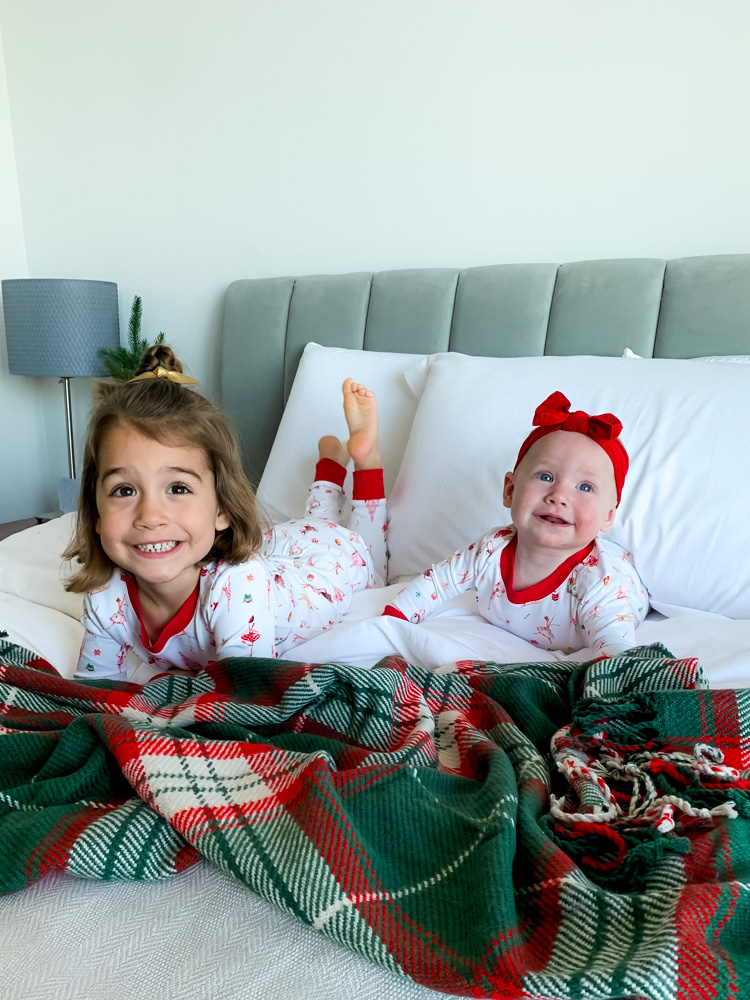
column 134, row 327
column 122, row 363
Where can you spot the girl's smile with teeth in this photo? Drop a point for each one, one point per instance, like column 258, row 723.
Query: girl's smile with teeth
column 156, row 546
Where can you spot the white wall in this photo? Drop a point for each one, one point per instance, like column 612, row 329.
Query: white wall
column 24, row 482
column 173, row 147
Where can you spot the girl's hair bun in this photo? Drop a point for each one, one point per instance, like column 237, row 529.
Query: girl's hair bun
column 159, row 355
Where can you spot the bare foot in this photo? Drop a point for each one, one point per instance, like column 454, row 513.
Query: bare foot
column 330, row 447
column 361, row 412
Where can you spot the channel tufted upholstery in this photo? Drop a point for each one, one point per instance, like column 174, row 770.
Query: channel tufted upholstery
column 681, row 308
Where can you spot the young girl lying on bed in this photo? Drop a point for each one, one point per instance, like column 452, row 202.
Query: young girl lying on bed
column 550, row 577
column 174, row 563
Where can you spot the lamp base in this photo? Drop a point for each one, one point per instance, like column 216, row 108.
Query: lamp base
column 67, row 494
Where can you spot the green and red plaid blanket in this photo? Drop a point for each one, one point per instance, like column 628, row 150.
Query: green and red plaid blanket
column 419, row 818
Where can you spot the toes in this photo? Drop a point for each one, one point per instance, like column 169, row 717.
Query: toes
column 356, row 388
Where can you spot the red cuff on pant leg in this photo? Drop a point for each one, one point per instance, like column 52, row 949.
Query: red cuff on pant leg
column 393, row 612
column 368, row 484
column 330, row 471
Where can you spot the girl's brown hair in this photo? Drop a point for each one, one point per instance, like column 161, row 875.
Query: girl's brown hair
column 168, row 412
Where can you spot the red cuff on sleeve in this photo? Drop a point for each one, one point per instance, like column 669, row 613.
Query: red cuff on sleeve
column 368, row 484
column 329, row 471
column 394, row 612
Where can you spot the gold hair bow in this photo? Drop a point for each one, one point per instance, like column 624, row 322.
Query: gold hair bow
column 160, row 372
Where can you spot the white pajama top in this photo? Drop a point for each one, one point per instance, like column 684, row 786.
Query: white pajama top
column 593, row 600
column 299, row 584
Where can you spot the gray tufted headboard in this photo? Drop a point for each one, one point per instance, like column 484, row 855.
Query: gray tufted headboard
column 681, row 308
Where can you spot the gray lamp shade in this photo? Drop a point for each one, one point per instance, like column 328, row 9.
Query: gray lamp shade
column 56, row 326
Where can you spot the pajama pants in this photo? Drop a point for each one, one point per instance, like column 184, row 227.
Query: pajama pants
column 368, row 509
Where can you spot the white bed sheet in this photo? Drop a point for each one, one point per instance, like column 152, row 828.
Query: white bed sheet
column 458, row 632
column 38, row 614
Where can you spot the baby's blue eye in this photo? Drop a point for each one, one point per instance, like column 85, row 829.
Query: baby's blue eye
column 586, row 488
column 546, row 477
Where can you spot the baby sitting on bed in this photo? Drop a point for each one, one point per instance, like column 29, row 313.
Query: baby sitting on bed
column 550, row 577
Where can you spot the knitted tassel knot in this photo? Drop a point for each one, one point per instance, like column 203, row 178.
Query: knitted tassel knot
column 643, row 780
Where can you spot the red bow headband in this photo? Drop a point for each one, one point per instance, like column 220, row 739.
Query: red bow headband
column 604, row 428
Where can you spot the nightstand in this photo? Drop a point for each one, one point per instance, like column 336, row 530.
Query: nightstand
column 11, row 527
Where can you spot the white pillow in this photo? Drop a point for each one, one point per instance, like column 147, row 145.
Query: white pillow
column 737, row 359
column 34, row 608
column 684, row 511
column 32, row 568
column 314, row 408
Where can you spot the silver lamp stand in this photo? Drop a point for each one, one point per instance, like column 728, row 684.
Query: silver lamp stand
column 65, row 380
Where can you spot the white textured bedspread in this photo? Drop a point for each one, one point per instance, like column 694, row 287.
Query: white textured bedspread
column 201, row 935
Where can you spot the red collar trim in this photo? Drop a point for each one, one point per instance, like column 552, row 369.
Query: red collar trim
column 178, row 624
column 545, row 587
